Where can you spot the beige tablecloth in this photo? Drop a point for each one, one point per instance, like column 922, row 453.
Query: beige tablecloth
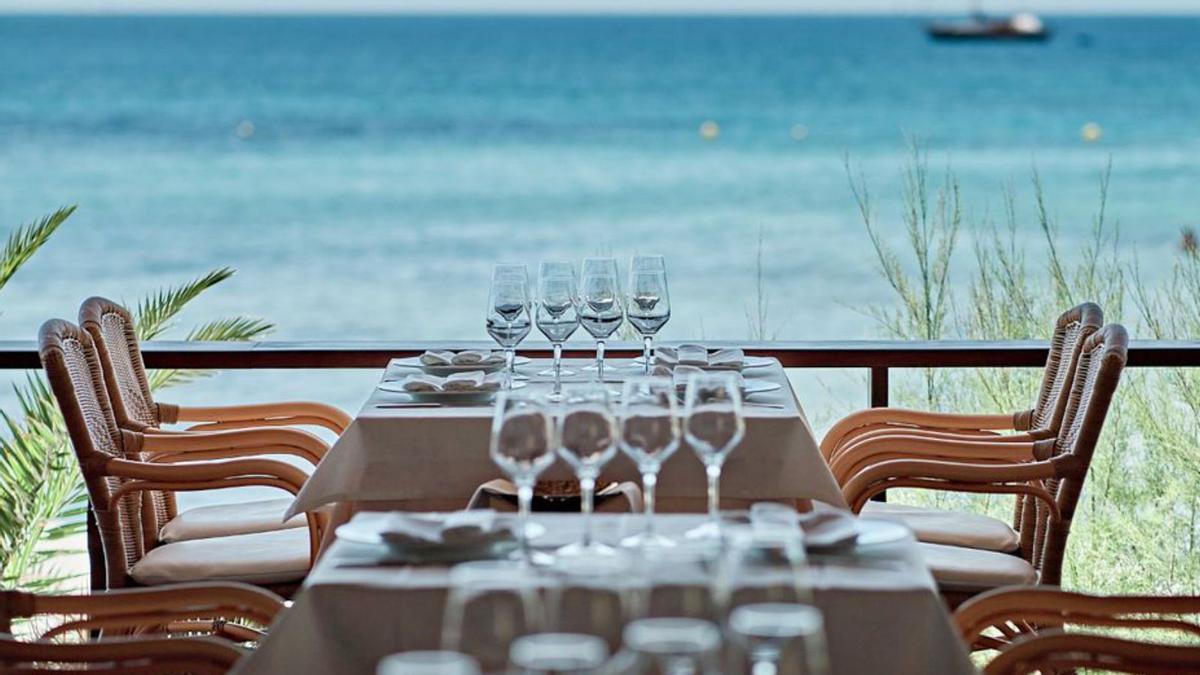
column 881, row 607
column 433, row 459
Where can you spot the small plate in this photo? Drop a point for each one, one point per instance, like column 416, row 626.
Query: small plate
column 443, row 371
column 750, row 362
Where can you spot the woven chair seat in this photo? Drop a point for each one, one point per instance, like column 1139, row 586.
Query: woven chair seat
column 953, row 528
column 221, row 520
column 264, row 558
column 970, row 570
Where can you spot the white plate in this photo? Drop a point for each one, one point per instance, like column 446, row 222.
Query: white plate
column 397, row 387
column 750, row 362
column 876, row 531
column 443, row 371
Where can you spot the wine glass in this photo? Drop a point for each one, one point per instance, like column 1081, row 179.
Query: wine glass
column 650, row 433
column 557, row 318
column 587, row 439
column 781, row 638
column 713, row 425
column 680, row 580
column 557, row 654
column 522, row 445
column 649, row 306
column 595, row 596
column 490, row 603
column 678, row 646
column 600, row 309
column 763, row 563
column 427, row 663
column 508, row 313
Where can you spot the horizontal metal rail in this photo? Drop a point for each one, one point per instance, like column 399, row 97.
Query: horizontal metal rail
column 878, row 356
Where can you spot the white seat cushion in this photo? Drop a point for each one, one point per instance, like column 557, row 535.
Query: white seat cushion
column 968, row 569
column 264, row 558
column 953, row 528
column 222, row 520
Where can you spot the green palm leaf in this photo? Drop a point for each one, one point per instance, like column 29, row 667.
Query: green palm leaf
column 23, row 242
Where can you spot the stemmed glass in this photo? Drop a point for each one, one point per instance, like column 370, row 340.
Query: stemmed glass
column 522, row 445
column 600, row 311
column 776, row 633
column 508, row 313
column 427, row 663
column 650, row 433
column 713, row 425
column 490, row 604
column 587, row 439
column 649, row 306
column 677, row 646
column 557, row 316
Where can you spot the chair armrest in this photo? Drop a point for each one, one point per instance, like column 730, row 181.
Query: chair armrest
column 958, row 476
column 875, row 418
column 183, row 654
column 265, row 414
column 850, row 459
column 1059, row 651
column 242, row 442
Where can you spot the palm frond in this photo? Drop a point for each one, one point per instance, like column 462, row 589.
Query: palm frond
column 155, row 313
column 23, row 242
column 228, row 329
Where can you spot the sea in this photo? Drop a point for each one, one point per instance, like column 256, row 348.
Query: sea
column 363, row 174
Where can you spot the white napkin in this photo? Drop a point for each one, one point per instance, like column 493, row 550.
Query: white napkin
column 455, row 529
column 700, row 357
column 470, row 357
column 682, row 374
column 824, row 526
column 471, row 381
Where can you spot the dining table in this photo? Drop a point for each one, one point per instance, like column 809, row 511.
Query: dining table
column 403, row 454
column 880, row 605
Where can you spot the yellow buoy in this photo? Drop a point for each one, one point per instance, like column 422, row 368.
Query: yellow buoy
column 799, row 132
column 245, row 129
column 1091, row 132
column 709, row 130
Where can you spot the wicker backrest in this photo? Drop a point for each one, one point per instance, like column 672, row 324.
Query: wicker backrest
column 1070, row 330
column 73, row 369
column 1097, row 373
column 115, row 336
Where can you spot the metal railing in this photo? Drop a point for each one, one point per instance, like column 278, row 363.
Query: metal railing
column 878, row 357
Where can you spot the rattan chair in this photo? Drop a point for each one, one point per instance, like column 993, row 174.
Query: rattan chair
column 232, row 611
column 1047, row 477
column 123, row 470
column 1027, row 627
column 121, row 656
column 112, row 328
column 870, row 435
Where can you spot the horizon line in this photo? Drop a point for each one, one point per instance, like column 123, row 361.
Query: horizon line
column 582, row 13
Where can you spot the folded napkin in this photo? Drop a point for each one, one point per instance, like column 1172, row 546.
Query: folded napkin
column 471, row 381
column 470, row 357
column 698, row 356
column 455, row 529
column 824, row 526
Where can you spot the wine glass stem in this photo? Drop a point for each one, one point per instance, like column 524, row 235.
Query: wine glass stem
column 649, row 486
column 524, row 506
column 587, row 493
column 714, row 492
column 557, row 368
column 599, row 360
column 764, row 666
column 647, row 341
column 510, row 366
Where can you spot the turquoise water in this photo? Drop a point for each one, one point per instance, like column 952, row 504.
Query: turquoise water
column 392, row 160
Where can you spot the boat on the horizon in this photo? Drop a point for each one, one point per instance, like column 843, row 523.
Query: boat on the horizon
column 1020, row 26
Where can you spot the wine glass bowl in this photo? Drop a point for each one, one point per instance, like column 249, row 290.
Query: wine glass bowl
column 789, row 633
column 649, row 306
column 713, row 426
column 509, row 317
column 522, row 445
column 557, row 316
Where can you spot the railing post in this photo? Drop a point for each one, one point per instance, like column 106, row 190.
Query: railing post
column 877, row 390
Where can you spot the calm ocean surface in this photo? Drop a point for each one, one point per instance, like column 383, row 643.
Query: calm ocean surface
column 393, row 160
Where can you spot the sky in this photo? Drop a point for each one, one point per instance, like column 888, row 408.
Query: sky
column 594, row 6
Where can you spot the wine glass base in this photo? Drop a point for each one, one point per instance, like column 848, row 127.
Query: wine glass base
column 554, row 397
column 549, row 372
column 648, row 540
column 709, row 530
column 581, row 550
column 532, row 531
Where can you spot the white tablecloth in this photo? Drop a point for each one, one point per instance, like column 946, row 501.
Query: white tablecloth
column 432, row 459
column 881, row 607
